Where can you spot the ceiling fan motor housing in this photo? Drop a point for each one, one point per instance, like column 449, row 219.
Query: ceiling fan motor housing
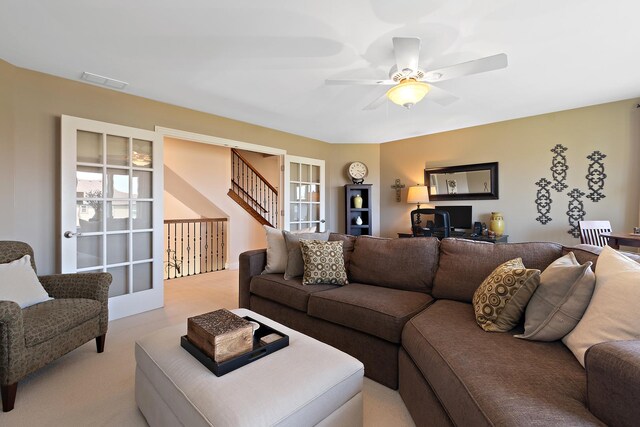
column 399, row 75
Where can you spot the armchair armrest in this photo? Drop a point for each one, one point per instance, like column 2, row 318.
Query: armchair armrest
column 11, row 338
column 613, row 382
column 252, row 263
column 78, row 285
column 93, row 286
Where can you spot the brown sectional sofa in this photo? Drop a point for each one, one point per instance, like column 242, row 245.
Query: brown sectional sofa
column 406, row 314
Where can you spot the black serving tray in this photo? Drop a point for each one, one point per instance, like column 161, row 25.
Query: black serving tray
column 258, row 352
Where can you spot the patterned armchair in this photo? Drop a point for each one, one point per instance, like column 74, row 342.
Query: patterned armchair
column 32, row 337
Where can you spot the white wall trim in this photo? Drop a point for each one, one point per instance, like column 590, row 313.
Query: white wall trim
column 214, row 140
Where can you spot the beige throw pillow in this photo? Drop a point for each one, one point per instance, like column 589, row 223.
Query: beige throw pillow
column 323, row 263
column 277, row 253
column 613, row 312
column 295, row 264
column 19, row 283
column 502, row 297
column 560, row 300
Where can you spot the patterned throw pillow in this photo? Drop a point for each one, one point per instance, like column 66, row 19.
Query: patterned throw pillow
column 323, row 263
column 501, row 299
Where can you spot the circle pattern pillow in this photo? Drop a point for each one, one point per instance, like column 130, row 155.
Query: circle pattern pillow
column 501, row 299
column 323, row 263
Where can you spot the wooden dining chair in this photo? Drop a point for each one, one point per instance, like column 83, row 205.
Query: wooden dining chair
column 590, row 232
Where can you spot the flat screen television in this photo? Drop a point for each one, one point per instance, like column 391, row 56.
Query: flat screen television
column 459, row 216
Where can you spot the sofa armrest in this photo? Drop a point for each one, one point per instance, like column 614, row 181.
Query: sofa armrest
column 93, row 286
column 252, row 263
column 613, row 382
column 11, row 339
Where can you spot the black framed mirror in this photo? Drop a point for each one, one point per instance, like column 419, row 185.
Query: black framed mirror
column 464, row 182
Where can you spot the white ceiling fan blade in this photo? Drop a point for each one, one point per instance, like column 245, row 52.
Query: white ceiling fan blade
column 407, row 51
column 481, row 65
column 358, row 82
column 377, row 102
column 440, row 96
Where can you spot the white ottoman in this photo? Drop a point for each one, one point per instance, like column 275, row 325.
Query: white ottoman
column 305, row 384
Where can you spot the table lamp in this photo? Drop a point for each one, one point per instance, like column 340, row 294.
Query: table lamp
column 418, row 195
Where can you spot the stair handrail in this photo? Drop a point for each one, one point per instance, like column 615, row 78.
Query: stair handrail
column 250, row 166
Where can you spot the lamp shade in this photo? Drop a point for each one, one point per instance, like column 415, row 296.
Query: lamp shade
column 408, row 92
column 418, row 195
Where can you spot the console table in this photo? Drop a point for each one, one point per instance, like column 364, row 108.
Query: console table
column 502, row 239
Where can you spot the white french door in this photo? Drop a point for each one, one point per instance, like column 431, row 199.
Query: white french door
column 111, row 210
column 304, row 193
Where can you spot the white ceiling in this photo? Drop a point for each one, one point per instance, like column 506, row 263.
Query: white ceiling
column 265, row 62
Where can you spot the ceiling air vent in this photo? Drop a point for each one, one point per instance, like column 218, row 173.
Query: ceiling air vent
column 104, row 81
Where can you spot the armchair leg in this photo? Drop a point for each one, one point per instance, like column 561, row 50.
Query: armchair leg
column 8, row 396
column 100, row 343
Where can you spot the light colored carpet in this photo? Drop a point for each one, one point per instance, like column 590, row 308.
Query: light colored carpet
column 84, row 388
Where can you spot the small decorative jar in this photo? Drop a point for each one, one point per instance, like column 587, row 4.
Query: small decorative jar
column 497, row 223
column 358, row 221
column 357, row 201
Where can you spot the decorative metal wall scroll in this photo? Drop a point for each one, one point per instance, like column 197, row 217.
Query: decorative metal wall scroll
column 559, row 168
column 576, row 211
column 398, row 187
column 596, row 176
column 543, row 200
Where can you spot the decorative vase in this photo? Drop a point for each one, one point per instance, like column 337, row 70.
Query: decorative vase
column 358, row 221
column 497, row 223
column 357, row 201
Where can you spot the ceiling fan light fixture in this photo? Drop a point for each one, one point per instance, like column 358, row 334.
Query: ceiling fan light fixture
column 408, row 92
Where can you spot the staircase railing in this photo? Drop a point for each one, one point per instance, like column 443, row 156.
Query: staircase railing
column 254, row 189
column 193, row 246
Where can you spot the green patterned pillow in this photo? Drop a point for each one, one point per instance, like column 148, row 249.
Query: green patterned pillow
column 323, row 263
column 502, row 297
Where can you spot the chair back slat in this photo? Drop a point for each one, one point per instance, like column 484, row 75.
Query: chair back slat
column 590, row 232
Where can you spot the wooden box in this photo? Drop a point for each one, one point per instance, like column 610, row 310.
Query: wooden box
column 220, row 334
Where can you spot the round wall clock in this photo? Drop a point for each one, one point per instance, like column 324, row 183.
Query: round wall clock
column 357, row 172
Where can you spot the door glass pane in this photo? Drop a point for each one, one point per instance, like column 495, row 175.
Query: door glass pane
column 304, row 212
column 141, row 185
column 294, row 227
column 305, row 173
column 88, row 182
column 118, row 215
column 89, row 251
column 142, row 153
column 120, row 281
column 295, row 172
column 141, row 246
column 141, row 214
column 117, row 183
column 89, row 147
column 117, row 150
column 142, row 277
column 315, row 212
column 315, row 174
column 295, row 212
column 89, row 215
column 314, row 193
column 295, row 192
column 304, row 192
column 117, row 248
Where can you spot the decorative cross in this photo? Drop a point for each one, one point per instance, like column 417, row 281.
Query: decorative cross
column 398, row 187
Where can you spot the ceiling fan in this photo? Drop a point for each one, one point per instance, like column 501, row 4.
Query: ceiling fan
column 410, row 82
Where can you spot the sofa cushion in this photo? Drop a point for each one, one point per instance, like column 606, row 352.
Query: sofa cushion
column 295, row 263
column 585, row 253
column 464, row 264
column 376, row 310
column 291, row 293
column 408, row 264
column 495, row 379
column 51, row 318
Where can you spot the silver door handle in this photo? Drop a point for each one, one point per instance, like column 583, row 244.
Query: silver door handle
column 322, row 221
column 70, row 234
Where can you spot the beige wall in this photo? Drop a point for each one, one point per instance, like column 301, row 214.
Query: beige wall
column 30, row 133
column 522, row 149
